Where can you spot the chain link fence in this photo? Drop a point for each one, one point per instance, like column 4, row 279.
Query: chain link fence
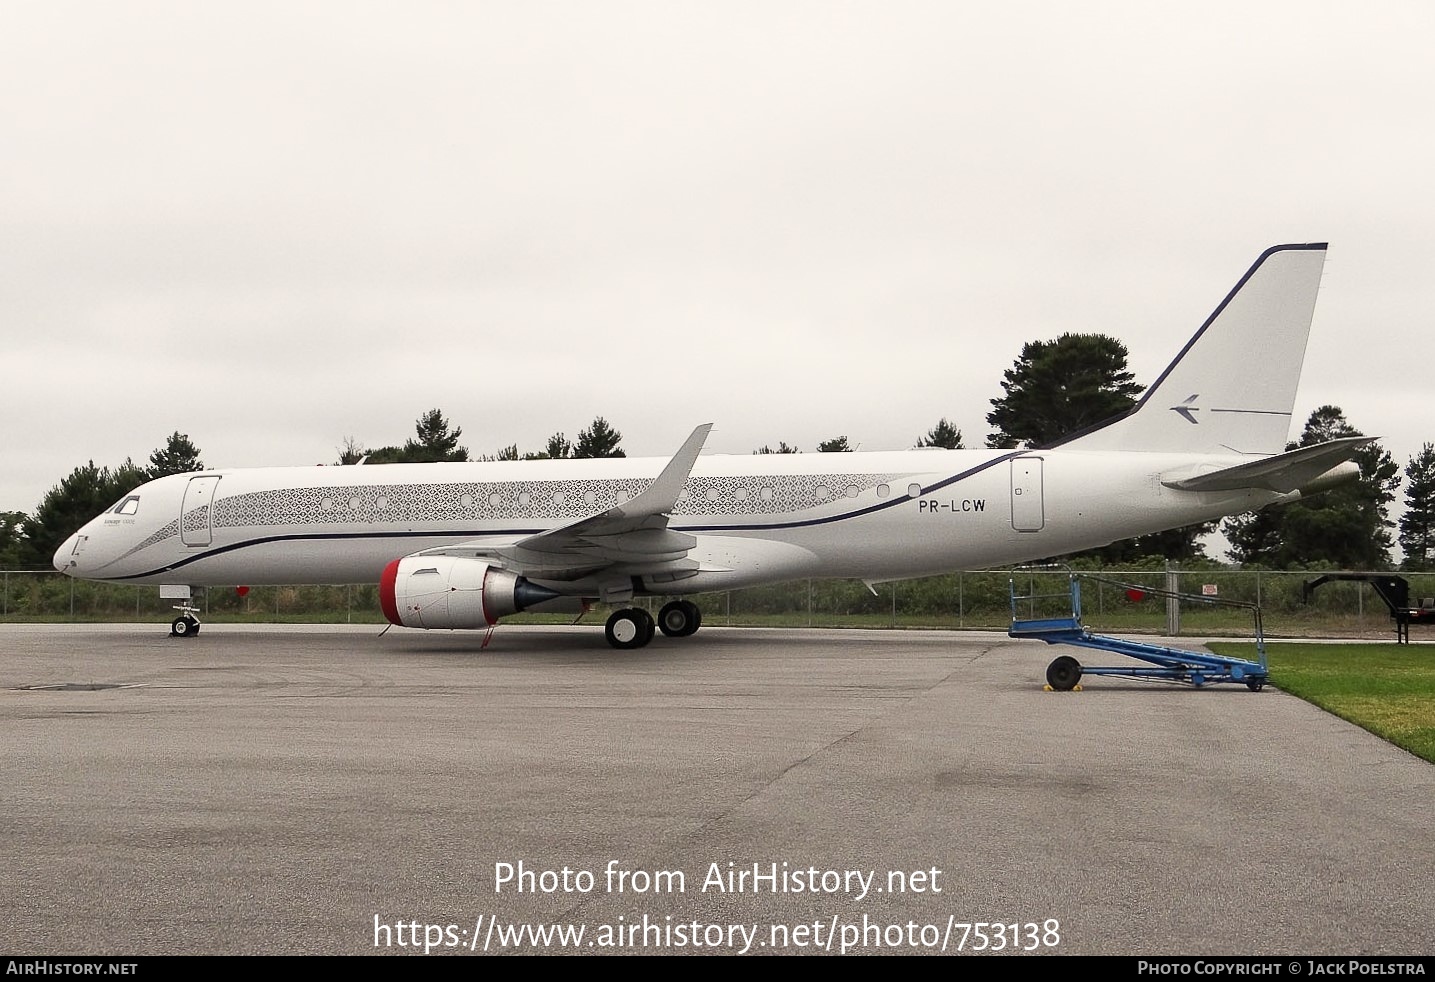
column 972, row 600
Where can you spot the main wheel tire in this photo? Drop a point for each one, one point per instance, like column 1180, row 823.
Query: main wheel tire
column 679, row 618
column 183, row 627
column 631, row 627
column 1063, row 674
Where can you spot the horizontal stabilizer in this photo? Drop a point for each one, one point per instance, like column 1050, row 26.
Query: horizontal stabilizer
column 1284, row 472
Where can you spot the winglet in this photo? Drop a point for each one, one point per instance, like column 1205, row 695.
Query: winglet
column 646, row 510
column 659, row 497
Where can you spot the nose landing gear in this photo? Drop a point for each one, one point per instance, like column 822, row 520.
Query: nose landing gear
column 184, row 626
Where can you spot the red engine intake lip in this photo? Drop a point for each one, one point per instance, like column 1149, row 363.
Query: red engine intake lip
column 387, row 602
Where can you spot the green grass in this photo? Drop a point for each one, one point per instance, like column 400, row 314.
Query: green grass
column 1384, row 688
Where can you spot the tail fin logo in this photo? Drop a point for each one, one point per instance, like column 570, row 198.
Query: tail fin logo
column 1188, row 409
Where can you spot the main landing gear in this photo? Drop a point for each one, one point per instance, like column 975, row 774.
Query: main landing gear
column 633, row 627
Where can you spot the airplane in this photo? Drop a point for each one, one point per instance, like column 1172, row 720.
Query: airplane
column 461, row 545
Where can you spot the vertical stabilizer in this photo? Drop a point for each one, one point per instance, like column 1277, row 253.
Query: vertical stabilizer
column 1232, row 388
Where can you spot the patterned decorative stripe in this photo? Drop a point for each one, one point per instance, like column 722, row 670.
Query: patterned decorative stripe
column 505, row 501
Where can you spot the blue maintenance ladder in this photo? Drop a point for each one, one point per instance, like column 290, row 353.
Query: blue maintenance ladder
column 1165, row 664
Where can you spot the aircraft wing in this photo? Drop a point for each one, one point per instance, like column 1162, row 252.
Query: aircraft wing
column 634, row 534
column 1285, row 472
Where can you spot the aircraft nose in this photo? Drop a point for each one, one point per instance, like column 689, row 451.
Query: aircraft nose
column 65, row 555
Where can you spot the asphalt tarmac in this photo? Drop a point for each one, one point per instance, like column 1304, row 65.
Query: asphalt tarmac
column 325, row 790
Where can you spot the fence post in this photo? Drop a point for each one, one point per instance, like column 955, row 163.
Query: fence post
column 961, row 602
column 1173, row 605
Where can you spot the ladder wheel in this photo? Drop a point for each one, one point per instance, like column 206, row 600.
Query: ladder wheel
column 1063, row 674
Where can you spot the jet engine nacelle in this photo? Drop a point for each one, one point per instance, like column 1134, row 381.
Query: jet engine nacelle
column 454, row 593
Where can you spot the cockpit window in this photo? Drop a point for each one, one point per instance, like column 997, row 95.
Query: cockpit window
column 127, row 507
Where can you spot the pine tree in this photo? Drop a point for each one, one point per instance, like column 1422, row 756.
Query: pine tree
column 1347, row 526
column 1417, row 525
column 11, row 531
column 177, row 456
column 599, row 440
column 559, row 447
column 1059, row 387
column 435, row 442
column 943, row 435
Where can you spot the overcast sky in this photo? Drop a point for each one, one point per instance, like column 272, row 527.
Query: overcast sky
column 273, row 226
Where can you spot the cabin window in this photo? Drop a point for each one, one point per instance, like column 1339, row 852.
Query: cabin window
column 494, row 499
column 740, row 494
column 914, row 490
column 883, row 490
column 559, row 497
column 524, row 497
column 354, row 503
column 765, row 494
column 590, row 497
column 327, row 504
column 714, row 494
column 381, row 501
column 853, row 490
column 822, row 492
column 466, row 500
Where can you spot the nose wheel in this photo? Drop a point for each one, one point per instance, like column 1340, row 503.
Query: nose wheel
column 186, row 625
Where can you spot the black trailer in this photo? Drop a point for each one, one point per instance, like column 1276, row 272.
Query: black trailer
column 1394, row 590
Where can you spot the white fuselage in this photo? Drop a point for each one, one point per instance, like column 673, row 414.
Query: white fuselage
column 758, row 518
